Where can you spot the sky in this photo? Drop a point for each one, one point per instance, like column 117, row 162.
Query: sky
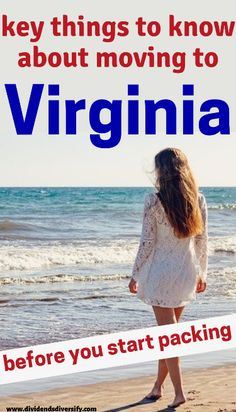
column 64, row 160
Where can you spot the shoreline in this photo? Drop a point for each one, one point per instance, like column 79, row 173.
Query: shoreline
column 210, row 388
column 138, row 370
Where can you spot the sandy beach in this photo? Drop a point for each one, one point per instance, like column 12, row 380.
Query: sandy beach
column 207, row 389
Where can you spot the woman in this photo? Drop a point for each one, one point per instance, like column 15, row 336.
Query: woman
column 171, row 263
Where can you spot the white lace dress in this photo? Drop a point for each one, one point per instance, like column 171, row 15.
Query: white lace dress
column 166, row 267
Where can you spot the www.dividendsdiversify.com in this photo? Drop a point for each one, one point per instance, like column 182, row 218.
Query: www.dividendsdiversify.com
column 213, row 114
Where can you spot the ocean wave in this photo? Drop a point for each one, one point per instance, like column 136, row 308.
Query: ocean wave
column 20, row 257
column 29, row 301
column 9, row 225
column 223, row 244
column 18, row 230
column 222, row 206
column 58, row 278
column 17, row 257
column 229, row 251
column 221, row 282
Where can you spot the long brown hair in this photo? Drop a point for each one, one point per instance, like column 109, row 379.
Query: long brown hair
column 178, row 192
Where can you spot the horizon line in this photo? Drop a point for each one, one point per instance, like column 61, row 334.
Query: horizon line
column 100, row 186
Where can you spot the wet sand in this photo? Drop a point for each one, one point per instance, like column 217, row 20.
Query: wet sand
column 207, row 389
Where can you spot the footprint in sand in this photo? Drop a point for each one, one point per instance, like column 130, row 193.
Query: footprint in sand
column 226, row 410
column 199, row 404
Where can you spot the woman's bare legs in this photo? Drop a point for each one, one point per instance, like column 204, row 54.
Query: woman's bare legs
column 162, row 366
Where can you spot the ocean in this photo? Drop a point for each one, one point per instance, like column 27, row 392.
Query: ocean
column 66, row 256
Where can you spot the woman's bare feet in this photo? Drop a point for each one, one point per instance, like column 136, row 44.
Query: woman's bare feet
column 179, row 400
column 156, row 392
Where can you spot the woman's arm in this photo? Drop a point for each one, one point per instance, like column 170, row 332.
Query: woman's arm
column 148, row 235
column 201, row 242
